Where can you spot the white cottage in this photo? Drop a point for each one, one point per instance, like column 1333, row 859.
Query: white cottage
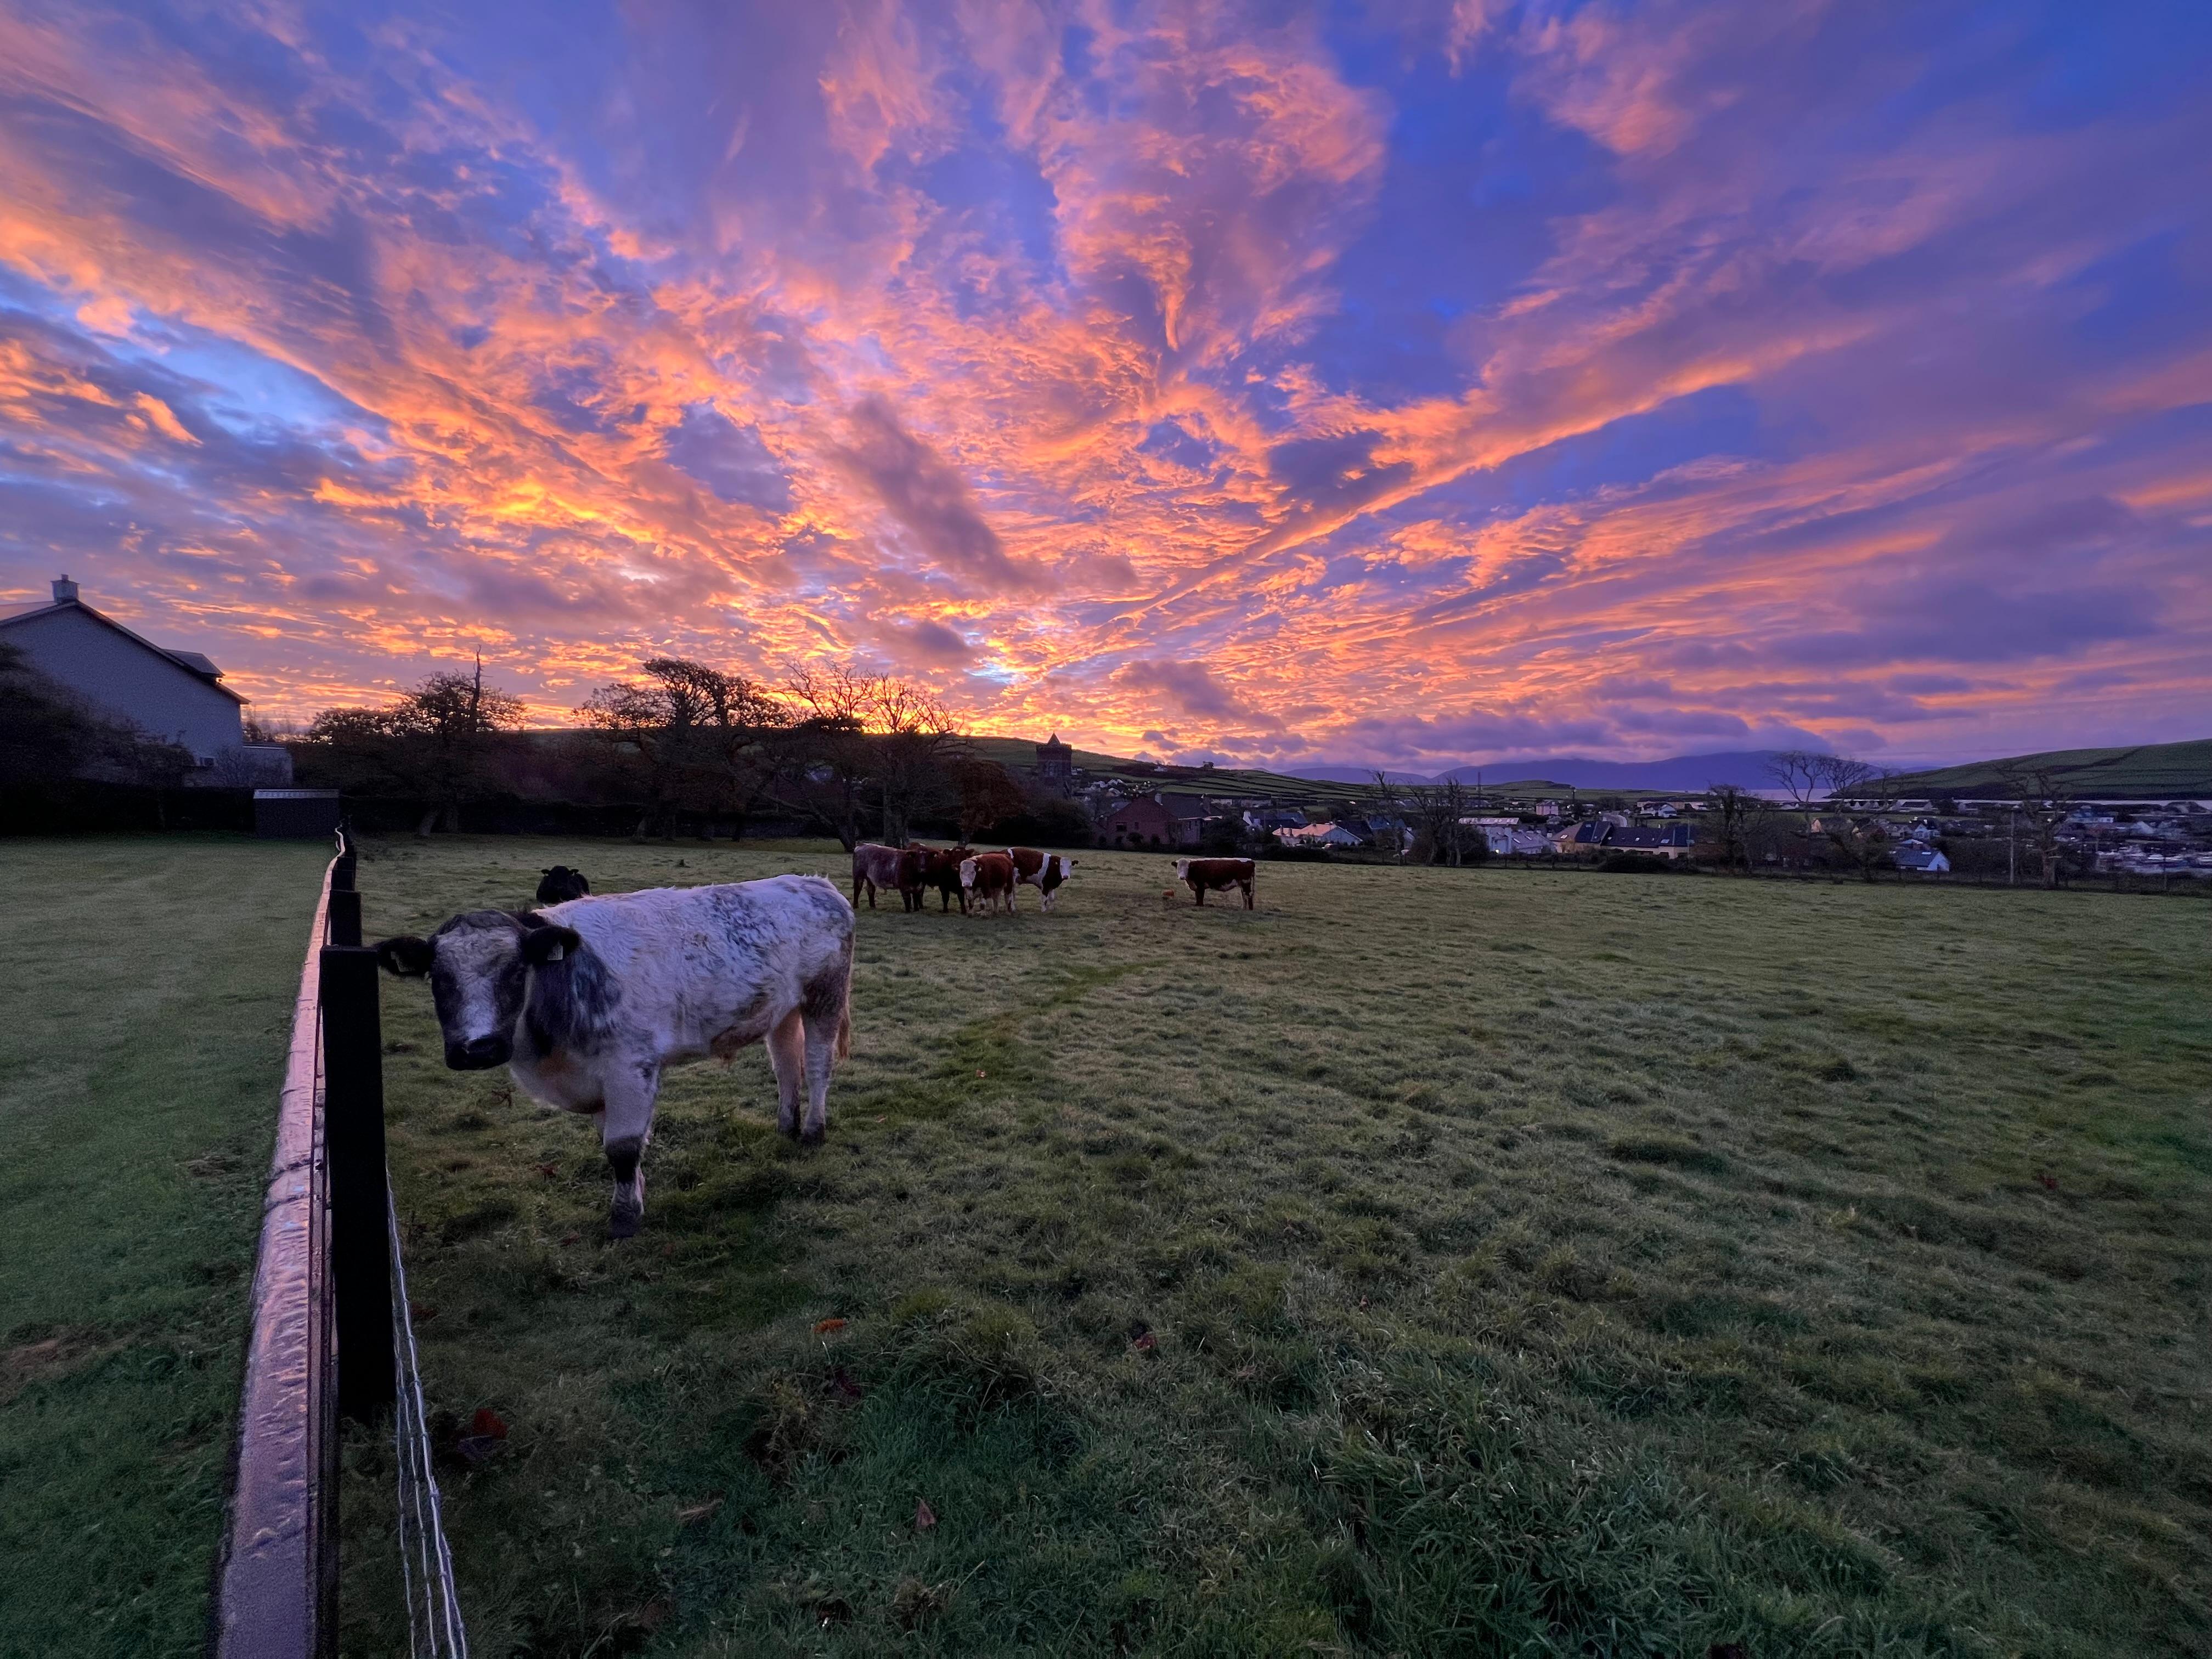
column 177, row 696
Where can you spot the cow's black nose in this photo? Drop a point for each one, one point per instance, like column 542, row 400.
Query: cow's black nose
column 478, row 1053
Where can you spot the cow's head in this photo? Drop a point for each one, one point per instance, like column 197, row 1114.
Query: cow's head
column 1058, row 868
column 478, row 965
column 1182, row 869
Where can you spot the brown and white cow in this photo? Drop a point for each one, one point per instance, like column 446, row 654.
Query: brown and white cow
column 1204, row 876
column 1046, row 872
column 874, row 866
column 988, row 878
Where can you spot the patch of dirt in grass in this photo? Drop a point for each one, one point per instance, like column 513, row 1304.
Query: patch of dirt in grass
column 49, row 1359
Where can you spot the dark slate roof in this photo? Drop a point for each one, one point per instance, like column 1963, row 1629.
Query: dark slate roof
column 191, row 661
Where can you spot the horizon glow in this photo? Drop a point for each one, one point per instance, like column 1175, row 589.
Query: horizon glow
column 1424, row 383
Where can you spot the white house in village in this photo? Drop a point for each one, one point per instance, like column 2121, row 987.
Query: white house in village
column 177, row 696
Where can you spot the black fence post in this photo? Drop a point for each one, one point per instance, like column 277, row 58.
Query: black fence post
column 353, row 1136
column 345, row 916
column 348, row 860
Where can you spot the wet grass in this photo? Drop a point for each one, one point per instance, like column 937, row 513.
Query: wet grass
column 1429, row 1261
column 146, row 987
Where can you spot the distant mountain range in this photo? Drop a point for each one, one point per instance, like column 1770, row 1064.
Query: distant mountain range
column 1746, row 767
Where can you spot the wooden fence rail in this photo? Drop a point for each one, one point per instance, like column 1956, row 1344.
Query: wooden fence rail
column 327, row 1325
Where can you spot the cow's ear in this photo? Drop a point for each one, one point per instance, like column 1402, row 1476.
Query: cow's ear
column 543, row 944
column 406, row 956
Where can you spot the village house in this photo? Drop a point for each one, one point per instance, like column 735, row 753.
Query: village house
column 1155, row 820
column 1674, row 841
column 175, row 697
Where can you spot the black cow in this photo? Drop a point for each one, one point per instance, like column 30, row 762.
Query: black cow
column 560, row 885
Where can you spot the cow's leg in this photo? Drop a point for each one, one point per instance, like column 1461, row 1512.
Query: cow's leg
column 787, row 1055
column 822, row 1029
column 1198, row 893
column 1247, row 886
column 856, row 889
column 625, row 1126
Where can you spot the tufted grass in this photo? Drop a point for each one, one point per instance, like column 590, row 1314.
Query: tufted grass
column 145, row 990
column 1429, row 1261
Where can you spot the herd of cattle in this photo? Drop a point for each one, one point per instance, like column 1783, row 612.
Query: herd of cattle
column 590, row 997
column 981, row 881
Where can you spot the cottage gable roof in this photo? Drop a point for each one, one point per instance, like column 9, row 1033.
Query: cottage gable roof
column 191, row 662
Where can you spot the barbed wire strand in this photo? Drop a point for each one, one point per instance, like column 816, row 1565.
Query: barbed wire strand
column 434, row 1630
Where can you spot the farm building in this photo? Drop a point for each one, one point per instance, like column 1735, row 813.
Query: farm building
column 1156, row 820
column 1140, row 821
column 177, row 697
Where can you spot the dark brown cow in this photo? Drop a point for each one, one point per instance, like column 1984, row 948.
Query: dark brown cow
column 989, row 879
column 913, row 874
column 1046, row 872
column 1204, row 876
column 941, row 869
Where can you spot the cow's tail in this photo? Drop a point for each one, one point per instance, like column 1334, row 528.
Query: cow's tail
column 845, row 1009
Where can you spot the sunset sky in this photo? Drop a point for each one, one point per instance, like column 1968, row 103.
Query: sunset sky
column 1415, row 383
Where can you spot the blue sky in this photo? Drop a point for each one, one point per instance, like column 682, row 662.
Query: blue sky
column 1420, row 383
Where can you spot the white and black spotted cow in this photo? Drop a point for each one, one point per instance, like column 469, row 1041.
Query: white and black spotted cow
column 589, row 1002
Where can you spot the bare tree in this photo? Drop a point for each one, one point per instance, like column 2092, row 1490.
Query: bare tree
column 863, row 739
column 1436, row 809
column 1840, row 776
column 987, row 794
column 1798, row 772
column 916, row 743
column 1731, row 808
column 2044, row 805
column 1396, row 803
column 437, row 742
column 702, row 736
column 1861, row 846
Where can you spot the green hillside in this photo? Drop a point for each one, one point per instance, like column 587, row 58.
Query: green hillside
column 2150, row 771
column 1020, row 753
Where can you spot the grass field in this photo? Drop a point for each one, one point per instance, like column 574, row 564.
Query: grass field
column 1429, row 1261
column 147, row 989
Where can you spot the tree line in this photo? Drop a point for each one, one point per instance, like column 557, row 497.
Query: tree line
column 837, row 750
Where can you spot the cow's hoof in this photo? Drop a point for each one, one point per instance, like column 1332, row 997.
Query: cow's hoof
column 624, row 1224
column 814, row 1137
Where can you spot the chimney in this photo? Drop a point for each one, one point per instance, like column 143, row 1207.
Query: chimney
column 64, row 589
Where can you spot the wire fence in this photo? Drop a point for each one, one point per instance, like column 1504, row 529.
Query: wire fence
column 333, row 1332
column 434, row 1630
